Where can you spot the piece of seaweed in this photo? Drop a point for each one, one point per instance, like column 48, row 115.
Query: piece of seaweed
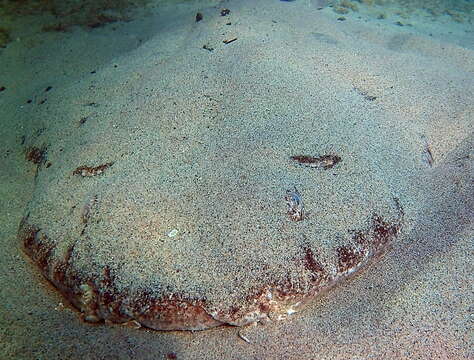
column 324, row 161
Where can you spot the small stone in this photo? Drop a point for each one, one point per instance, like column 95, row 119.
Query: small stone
column 173, row 233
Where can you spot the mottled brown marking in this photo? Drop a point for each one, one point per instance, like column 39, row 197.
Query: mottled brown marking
column 27, row 233
column 35, row 246
column 324, row 161
column 107, row 299
column 91, row 171
column 348, row 257
column 36, row 155
column 383, row 231
column 285, row 288
column 311, row 264
column 59, row 271
column 264, row 308
column 107, row 280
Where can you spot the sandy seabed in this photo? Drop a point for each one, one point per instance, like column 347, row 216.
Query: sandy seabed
column 417, row 79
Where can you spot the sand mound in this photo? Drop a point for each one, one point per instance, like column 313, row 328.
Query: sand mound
column 187, row 188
